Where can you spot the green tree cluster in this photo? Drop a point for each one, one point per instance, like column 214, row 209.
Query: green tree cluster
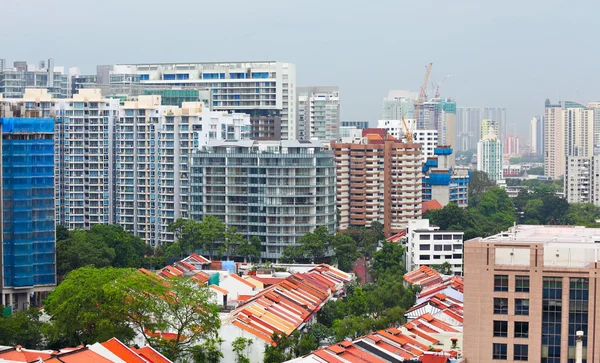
column 101, row 246
column 93, row 305
column 22, row 328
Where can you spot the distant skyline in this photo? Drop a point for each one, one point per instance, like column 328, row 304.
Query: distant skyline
column 511, row 54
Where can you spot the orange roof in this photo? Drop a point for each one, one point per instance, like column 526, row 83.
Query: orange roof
column 267, row 281
column 151, row 355
column 424, row 276
column 430, row 358
column 219, row 289
column 20, row 354
column 199, row 259
column 430, row 205
column 122, row 351
column 78, row 356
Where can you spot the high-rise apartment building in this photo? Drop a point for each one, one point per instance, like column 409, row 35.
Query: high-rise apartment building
column 28, row 265
column 14, row 81
column 439, row 114
column 153, row 147
column 536, row 133
column 568, row 131
column 278, row 191
column 489, row 129
column 264, row 90
column 427, row 138
column 469, row 124
column 511, row 145
column 378, row 179
column 528, row 291
column 490, row 158
column 358, row 124
column 318, row 113
column 398, row 104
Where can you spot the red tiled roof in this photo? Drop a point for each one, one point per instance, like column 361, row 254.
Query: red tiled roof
column 77, row 356
column 424, row 276
column 247, row 283
column 430, row 358
column 198, row 258
column 430, row 205
column 268, row 281
column 20, row 354
column 219, row 289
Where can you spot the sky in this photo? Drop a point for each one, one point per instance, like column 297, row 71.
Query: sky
column 508, row 53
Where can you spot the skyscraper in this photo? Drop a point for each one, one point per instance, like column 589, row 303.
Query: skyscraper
column 398, row 104
column 439, row 114
column 318, row 113
column 264, row 90
column 536, row 133
column 28, row 265
column 14, row 81
column 511, row 145
column 469, row 123
column 489, row 152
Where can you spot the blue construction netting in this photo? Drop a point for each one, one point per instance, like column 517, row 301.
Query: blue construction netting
column 442, row 151
column 28, row 201
column 439, row 179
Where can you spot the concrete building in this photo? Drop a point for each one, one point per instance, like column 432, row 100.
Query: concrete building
column 398, row 104
column 489, row 158
column 378, row 179
column 427, row 138
column 427, row 246
column 28, row 249
column 318, row 112
column 489, row 128
column 358, row 124
column 14, row 81
column 264, row 90
column 568, row 131
column 528, row 291
column 439, row 114
column 278, row 191
column 580, row 178
column 153, row 148
column 511, row 145
column 349, row 133
column 536, row 132
column 469, row 124
column 443, row 181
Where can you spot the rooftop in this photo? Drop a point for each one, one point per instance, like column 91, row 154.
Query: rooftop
column 574, row 235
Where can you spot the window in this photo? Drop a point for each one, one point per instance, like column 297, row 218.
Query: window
column 500, row 328
column 500, row 282
column 521, row 352
column 425, row 257
column 447, row 247
column 500, row 306
column 437, row 247
column 521, row 329
column 499, row 351
column 437, row 237
column 423, row 247
column 521, row 283
column 424, row 237
column 521, row 306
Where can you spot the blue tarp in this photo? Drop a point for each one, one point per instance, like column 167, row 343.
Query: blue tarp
column 27, row 125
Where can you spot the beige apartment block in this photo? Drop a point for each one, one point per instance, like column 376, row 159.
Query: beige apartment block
column 528, row 291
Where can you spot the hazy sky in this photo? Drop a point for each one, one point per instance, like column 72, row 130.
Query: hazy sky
column 511, row 54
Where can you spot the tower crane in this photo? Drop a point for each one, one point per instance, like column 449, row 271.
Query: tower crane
column 437, row 86
column 409, row 130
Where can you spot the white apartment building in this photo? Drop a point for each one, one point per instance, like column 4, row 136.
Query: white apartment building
column 427, row 246
column 569, row 130
column 153, row 148
column 427, row 138
column 318, row 113
column 398, row 104
column 83, row 158
column 489, row 128
column 264, row 90
column 489, row 158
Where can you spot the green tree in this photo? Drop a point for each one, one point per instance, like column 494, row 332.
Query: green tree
column 345, row 251
column 232, row 239
column 280, row 351
column 316, row 244
column 445, row 268
column 478, row 185
column 210, row 234
column 186, row 234
column 62, row 233
column 78, row 250
column 240, row 347
column 208, row 351
column 86, row 309
column 250, row 250
column 22, row 328
column 389, row 259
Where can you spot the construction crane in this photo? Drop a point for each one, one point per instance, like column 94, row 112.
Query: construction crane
column 437, row 86
column 409, row 130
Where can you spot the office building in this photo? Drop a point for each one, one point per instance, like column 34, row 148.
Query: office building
column 443, row 181
column 427, row 245
column 536, row 133
column 398, row 104
column 14, row 81
column 358, row 124
column 276, row 190
column 568, row 131
column 318, row 113
column 264, row 90
column 427, row 138
column 378, row 179
column 439, row 114
column 489, row 158
column 28, row 264
column 469, row 124
column 511, row 145
column 528, row 291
